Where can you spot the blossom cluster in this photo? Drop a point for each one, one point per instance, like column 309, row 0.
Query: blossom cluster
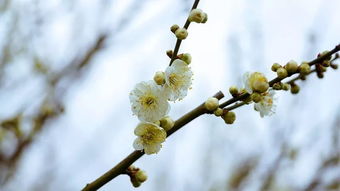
column 150, row 99
column 150, row 103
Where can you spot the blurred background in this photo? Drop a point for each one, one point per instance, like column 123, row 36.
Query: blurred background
column 67, row 67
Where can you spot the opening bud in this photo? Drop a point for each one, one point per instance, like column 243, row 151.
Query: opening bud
column 211, row 104
column 181, row 33
column 159, row 78
column 167, row 123
column 196, row 15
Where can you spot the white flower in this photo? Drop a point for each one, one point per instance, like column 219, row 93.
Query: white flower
column 178, row 78
column 266, row 106
column 255, row 82
column 150, row 137
column 149, row 102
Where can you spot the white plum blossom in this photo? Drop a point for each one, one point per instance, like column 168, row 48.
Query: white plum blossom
column 149, row 102
column 150, row 137
column 266, row 106
column 255, row 82
column 178, row 79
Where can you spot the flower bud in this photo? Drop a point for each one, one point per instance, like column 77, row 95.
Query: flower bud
column 291, row 67
column 281, row 73
column 218, row 112
column 260, row 86
column 211, row 104
column 141, row 176
column 256, row 97
column 174, row 28
column 159, row 78
column 326, row 63
column 181, row 33
column 324, row 53
column 205, row 19
column 277, row 86
column 169, row 53
column 304, row 68
column 196, row 15
column 275, row 66
column 285, row 86
column 136, row 183
column 167, row 123
column 294, row 89
column 229, row 117
column 186, row 57
column 320, row 75
column 233, row 90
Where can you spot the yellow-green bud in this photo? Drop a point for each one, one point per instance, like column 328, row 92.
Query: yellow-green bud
column 291, row 67
column 260, row 86
column 186, row 57
column 281, row 73
column 205, row 19
column 136, row 183
column 181, row 33
column 159, row 78
column 141, row 176
column 174, row 28
column 294, row 89
column 196, row 15
column 304, row 68
column 167, row 123
column 211, row 104
column 218, row 112
column 326, row 63
column 285, row 87
column 324, row 53
column 229, row 117
column 256, row 97
column 277, row 86
column 275, row 66
column 233, row 90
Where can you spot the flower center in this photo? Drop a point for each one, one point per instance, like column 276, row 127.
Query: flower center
column 148, row 101
column 175, row 80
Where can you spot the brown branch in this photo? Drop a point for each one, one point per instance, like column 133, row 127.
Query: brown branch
column 125, row 163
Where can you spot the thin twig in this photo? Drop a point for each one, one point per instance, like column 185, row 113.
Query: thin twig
column 178, row 42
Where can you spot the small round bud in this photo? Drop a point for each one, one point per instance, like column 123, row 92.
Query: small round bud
column 294, row 89
column 181, row 33
column 186, row 57
column 324, row 53
column 334, row 66
column 320, row 75
column 285, row 87
column 322, row 68
column 277, row 86
column 167, row 123
column 159, row 78
column 141, row 176
column 256, row 97
column 196, row 15
column 304, row 69
column 169, row 53
column 218, row 112
column 229, row 117
column 205, row 18
column 174, row 28
column 260, row 86
column 136, row 184
column 211, row 104
column 275, row 66
column 291, row 67
column 281, row 73
column 326, row 63
column 233, row 90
